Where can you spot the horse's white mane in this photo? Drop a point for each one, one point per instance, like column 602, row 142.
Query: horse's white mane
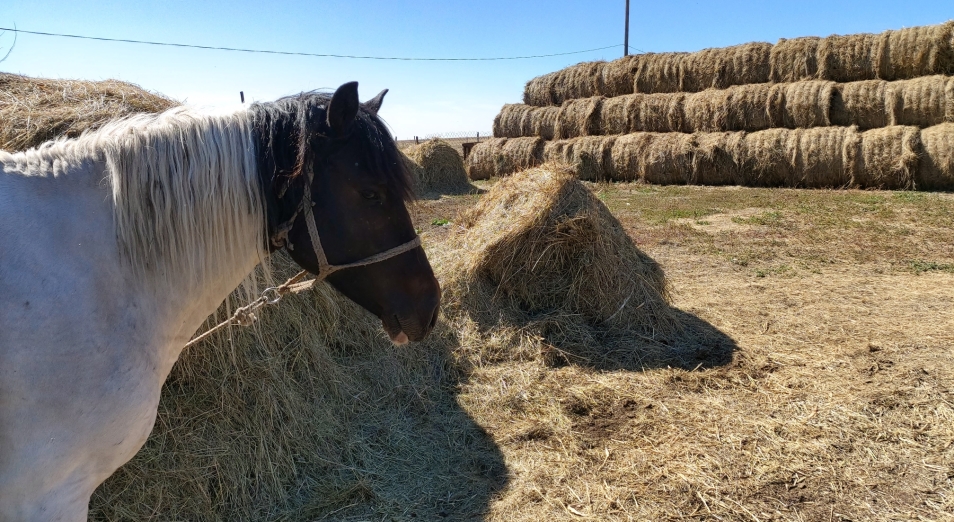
column 184, row 186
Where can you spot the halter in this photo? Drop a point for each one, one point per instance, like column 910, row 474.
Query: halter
column 280, row 238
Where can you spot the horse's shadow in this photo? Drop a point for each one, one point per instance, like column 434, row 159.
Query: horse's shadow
column 387, row 439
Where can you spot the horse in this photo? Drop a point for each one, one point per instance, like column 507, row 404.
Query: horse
column 118, row 244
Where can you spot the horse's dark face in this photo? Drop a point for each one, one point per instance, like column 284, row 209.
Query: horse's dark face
column 359, row 191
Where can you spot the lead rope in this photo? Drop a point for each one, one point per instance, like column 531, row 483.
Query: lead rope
column 245, row 316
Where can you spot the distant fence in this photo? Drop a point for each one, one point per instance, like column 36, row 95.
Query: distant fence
column 462, row 141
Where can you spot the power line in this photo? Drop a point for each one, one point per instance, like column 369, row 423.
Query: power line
column 292, row 53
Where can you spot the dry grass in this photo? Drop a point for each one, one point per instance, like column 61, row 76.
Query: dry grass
column 35, row 110
column 437, row 169
column 800, row 104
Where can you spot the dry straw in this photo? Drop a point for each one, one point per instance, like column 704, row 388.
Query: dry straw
column 35, row 110
column 885, row 158
column 589, row 156
column 918, row 51
column 863, row 103
column 922, row 102
column 800, row 104
column 543, row 255
column 658, row 158
column 850, row 58
column 578, row 117
column 936, row 167
column 437, row 168
column 503, row 156
column 722, row 67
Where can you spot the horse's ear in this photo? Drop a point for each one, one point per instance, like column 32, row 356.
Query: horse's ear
column 343, row 108
column 374, row 104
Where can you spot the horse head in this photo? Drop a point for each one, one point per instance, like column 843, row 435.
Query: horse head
column 336, row 188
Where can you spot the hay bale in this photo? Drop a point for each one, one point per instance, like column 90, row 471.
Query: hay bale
column 922, row 102
column 658, row 158
column 885, row 158
column 503, row 156
column 936, row 167
column 513, row 121
column 658, row 72
column 723, row 67
column 541, row 253
column 769, row 158
column 800, row 104
column 663, row 112
column 619, row 75
column 543, row 122
column 850, row 58
column 794, row 59
column 590, row 157
column 582, row 80
column 615, row 115
column 437, row 168
column 35, row 110
column 708, row 111
column 579, row 117
column 864, row 104
column 714, row 158
column 918, row 51
column 820, row 161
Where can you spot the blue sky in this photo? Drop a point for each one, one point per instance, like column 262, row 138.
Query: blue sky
column 425, row 97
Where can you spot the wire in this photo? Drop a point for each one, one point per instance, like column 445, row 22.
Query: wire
column 292, row 53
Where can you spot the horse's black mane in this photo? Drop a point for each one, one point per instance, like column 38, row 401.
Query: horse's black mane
column 278, row 128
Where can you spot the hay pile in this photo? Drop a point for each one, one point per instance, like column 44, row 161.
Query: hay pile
column 542, row 258
column 35, row 110
column 891, row 55
column 437, row 168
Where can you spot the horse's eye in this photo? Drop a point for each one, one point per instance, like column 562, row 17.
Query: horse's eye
column 370, row 194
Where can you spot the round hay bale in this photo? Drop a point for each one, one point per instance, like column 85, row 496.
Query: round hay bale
column 748, row 107
column 579, row 117
column 590, row 157
column 768, row 158
column 437, row 168
column 543, row 122
column 885, row 158
column 794, row 59
column 483, row 159
column 850, row 58
column 582, row 80
column 820, row 161
column 658, row 158
column 538, row 91
column 708, row 111
column 36, row 110
column 658, row 72
column 513, row 121
column 614, row 115
column 800, row 104
column 663, row 112
column 504, row 156
column 918, row 51
column 541, row 253
column 723, row 67
column 922, row 102
column 620, row 74
column 714, row 158
column 860, row 103
column 936, row 168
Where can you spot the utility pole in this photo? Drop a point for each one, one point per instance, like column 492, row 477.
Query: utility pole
column 626, row 39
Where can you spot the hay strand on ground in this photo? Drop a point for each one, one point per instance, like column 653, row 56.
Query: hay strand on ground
column 35, row 110
column 936, row 167
column 885, row 158
column 437, row 168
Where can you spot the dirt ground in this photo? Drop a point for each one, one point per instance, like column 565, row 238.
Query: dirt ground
column 838, row 402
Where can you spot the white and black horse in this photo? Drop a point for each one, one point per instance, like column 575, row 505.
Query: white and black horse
column 116, row 246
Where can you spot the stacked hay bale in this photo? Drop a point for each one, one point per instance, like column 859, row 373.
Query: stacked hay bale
column 706, row 110
column 436, row 168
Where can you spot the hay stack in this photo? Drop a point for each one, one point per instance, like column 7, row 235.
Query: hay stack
column 885, row 158
column 518, row 120
column 936, row 167
column 821, row 158
column 437, row 168
column 659, row 72
column 589, row 156
column 35, row 110
column 503, row 156
column 619, row 76
column 715, row 158
column 723, row 67
column 658, row 158
column 578, row 117
column 541, row 253
column 918, row 51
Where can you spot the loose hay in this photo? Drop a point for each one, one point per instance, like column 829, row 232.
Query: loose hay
column 437, row 168
column 936, row 167
column 35, row 110
column 885, row 158
column 543, row 255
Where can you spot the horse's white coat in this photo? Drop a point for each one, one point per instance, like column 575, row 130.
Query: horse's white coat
column 114, row 247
